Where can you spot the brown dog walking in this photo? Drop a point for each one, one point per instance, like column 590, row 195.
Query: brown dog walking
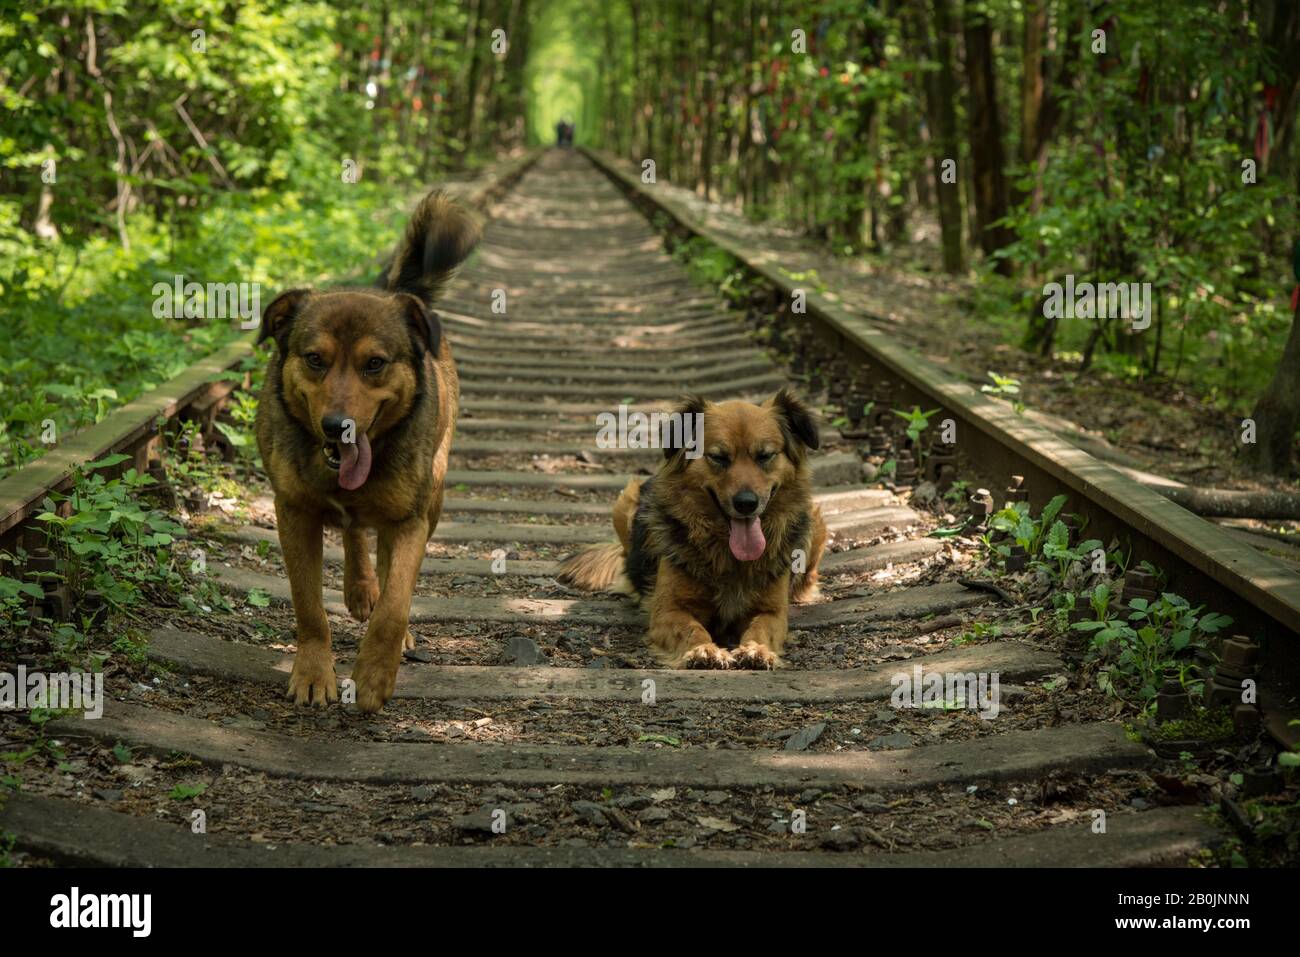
column 354, row 424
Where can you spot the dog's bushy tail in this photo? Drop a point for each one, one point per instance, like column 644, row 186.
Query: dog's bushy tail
column 594, row 568
column 439, row 236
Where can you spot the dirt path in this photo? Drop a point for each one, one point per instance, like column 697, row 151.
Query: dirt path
column 530, row 725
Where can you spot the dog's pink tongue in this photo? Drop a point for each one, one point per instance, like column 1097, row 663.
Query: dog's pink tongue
column 747, row 541
column 354, row 467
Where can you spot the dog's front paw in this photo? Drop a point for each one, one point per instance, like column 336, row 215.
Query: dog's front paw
column 375, row 680
column 753, row 656
column 706, row 656
column 361, row 597
column 312, row 680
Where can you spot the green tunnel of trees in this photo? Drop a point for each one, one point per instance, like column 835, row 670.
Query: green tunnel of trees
column 1146, row 141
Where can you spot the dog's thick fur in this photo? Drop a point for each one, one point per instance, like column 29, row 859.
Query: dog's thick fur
column 708, row 608
column 375, row 358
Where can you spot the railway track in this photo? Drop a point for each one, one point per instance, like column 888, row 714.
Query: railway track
column 530, row 726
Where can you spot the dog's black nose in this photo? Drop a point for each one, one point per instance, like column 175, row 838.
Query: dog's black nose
column 332, row 425
column 744, row 502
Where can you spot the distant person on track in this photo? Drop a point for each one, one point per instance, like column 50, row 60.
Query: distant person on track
column 564, row 133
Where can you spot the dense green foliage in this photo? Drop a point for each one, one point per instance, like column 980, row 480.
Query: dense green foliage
column 1115, row 165
column 142, row 141
column 82, row 335
column 1134, row 645
column 262, row 142
column 1154, row 193
column 110, row 543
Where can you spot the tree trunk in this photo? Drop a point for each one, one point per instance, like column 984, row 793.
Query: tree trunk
column 709, row 107
column 1277, row 413
column 988, row 157
column 1230, row 503
column 471, row 84
column 857, row 204
column 746, row 145
column 1279, row 23
column 637, row 145
column 507, row 105
column 608, row 68
column 672, row 105
column 1032, row 143
column 896, row 214
column 916, row 41
column 943, row 97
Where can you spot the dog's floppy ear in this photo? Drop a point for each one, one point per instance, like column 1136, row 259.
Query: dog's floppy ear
column 424, row 324
column 797, row 420
column 681, row 430
column 278, row 317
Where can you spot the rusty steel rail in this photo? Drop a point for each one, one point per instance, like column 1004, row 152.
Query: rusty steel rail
column 1209, row 563
column 135, row 429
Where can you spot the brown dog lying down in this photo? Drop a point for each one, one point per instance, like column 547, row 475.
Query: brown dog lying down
column 354, row 425
column 721, row 543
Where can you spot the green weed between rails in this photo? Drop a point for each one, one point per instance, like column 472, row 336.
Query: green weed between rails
column 239, row 430
column 190, row 463
column 1005, row 386
column 40, row 750
column 1146, row 644
column 110, row 543
column 1133, row 648
column 917, row 422
column 710, row 266
column 1274, row 820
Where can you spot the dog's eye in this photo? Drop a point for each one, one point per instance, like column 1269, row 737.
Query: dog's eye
column 765, row 458
column 718, row 459
column 314, row 360
column 375, row 364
